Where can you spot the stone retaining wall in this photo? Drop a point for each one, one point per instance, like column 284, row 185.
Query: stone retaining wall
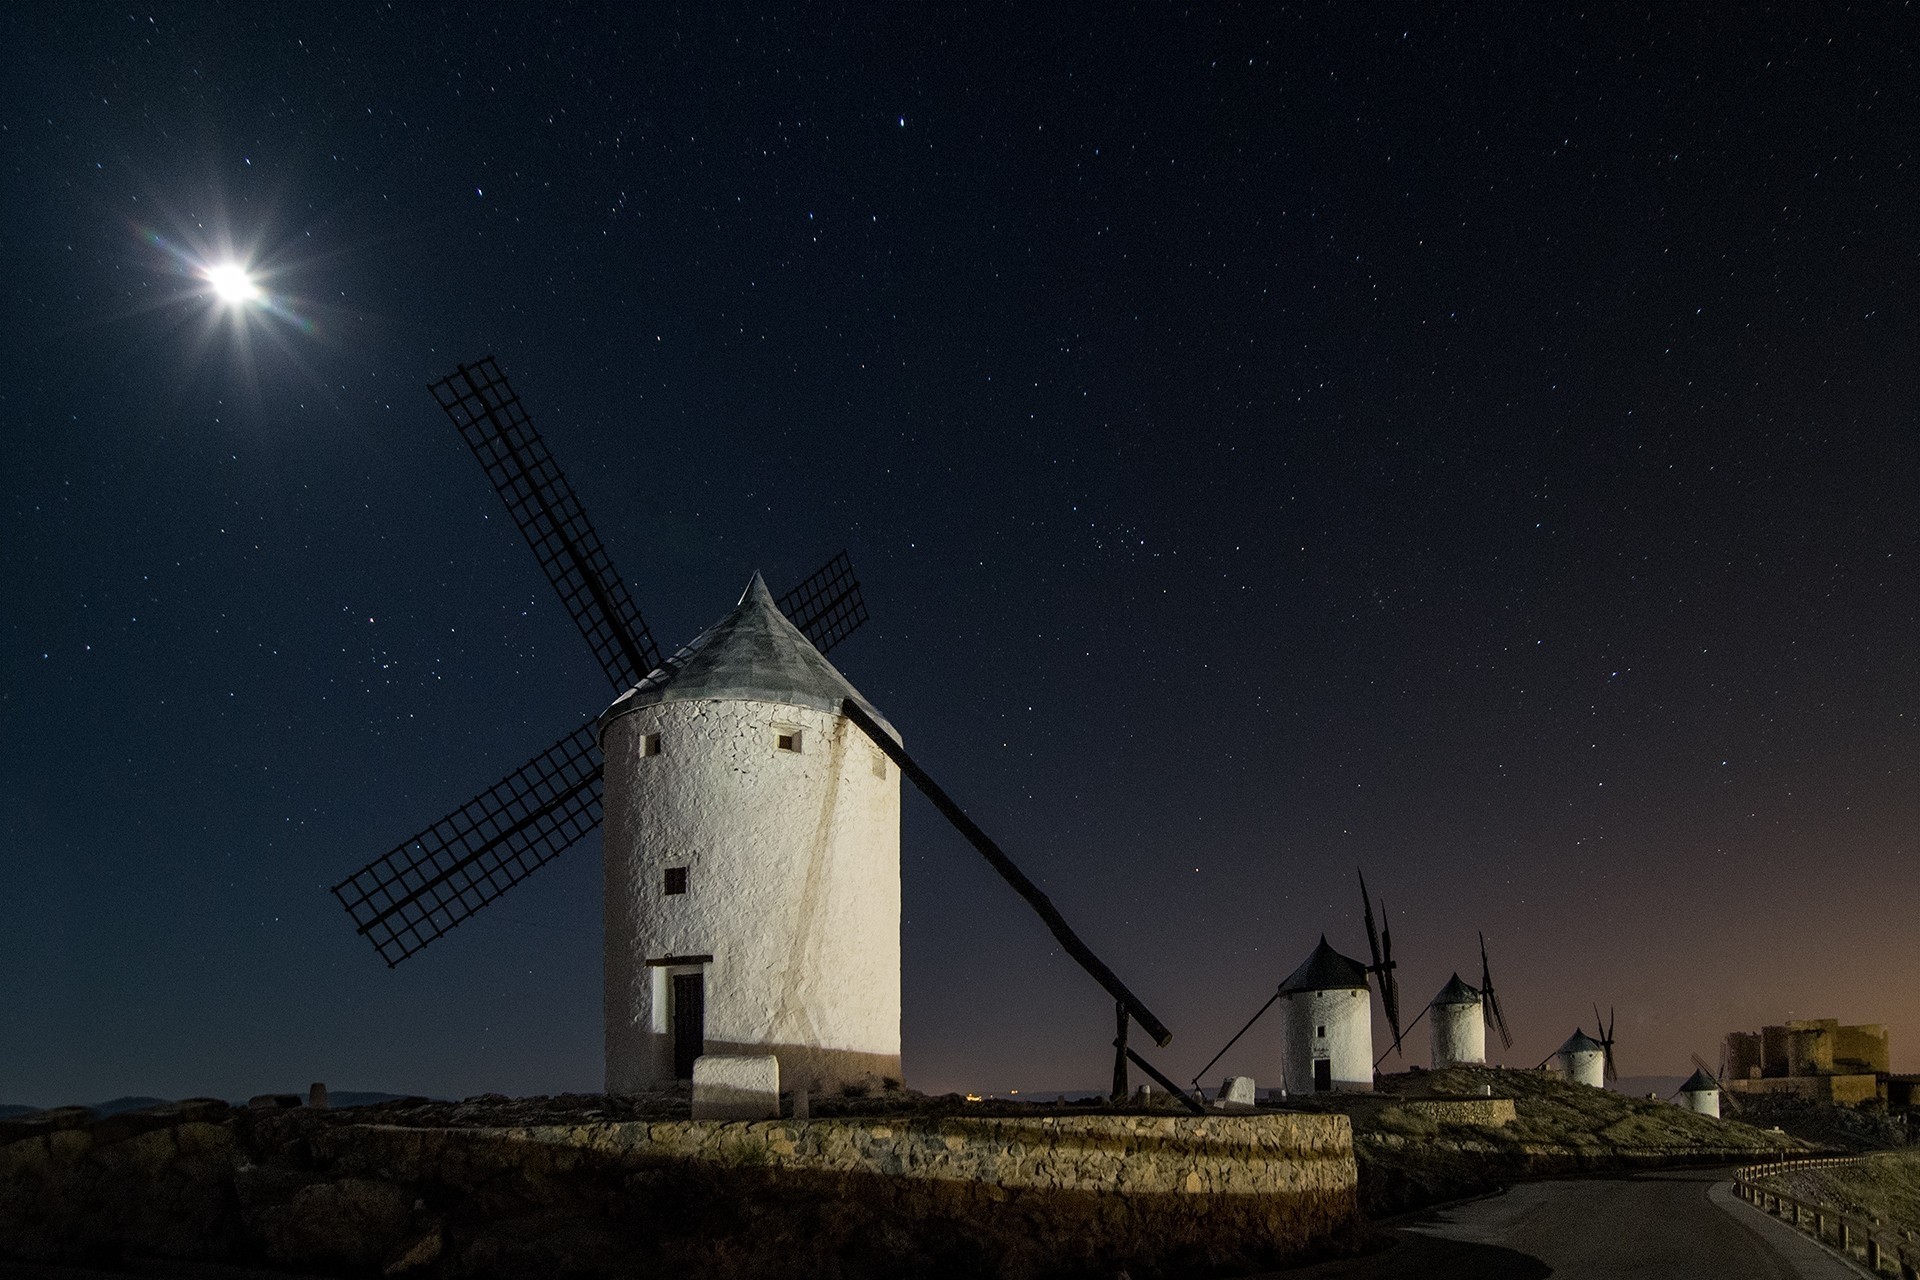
column 1003, row 1196
column 1492, row 1112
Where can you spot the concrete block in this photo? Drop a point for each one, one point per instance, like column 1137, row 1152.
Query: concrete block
column 736, row 1087
column 1238, row 1089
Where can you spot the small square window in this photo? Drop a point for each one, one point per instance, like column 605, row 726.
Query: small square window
column 786, row 739
column 676, row 880
column 1319, row 1031
column 650, row 744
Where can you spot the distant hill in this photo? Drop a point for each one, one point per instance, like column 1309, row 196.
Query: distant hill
column 342, row 1098
column 134, row 1102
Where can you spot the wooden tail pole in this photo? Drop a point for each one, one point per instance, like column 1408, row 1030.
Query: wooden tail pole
column 1187, row 1100
column 1395, row 1046
column 1026, row 888
column 1120, row 1020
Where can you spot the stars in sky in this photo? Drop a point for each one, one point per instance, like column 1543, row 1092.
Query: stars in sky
column 1298, row 417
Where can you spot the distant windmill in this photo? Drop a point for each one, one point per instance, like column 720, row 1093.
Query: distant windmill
column 764, row 660
column 1458, row 1028
column 1380, row 945
column 1703, row 1091
column 1582, row 1059
column 1489, row 1003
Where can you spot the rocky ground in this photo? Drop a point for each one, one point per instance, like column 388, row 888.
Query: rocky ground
column 1421, row 1138
column 1408, row 1160
column 1853, row 1129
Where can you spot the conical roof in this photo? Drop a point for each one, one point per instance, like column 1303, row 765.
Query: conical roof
column 753, row 653
column 1326, row 970
column 1700, row 1082
column 1580, row 1042
column 1457, row 992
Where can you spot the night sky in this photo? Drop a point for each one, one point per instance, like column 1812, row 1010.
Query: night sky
column 1477, row 445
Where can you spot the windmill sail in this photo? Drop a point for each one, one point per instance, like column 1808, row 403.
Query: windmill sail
column 429, row 884
column 491, row 420
column 827, row 606
column 1380, row 946
column 1489, row 1003
column 1606, row 1040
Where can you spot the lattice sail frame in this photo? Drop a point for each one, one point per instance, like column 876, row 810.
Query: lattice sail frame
column 428, row 885
column 827, row 607
column 482, row 405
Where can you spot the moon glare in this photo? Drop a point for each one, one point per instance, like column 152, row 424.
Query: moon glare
column 231, row 283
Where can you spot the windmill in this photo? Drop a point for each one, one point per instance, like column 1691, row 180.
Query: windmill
column 1459, row 1028
column 436, row 880
column 1705, row 1078
column 1489, row 1003
column 1582, row 1059
column 1380, row 945
column 1606, row 1041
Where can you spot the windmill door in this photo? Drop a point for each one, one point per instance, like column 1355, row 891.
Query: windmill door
column 689, row 1022
column 1322, row 1074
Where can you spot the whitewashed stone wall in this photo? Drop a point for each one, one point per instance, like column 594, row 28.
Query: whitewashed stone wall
column 793, row 889
column 1459, row 1035
column 1347, row 1017
column 1704, row 1101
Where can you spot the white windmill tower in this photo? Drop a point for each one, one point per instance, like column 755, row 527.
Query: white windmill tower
column 1701, row 1093
column 752, row 858
column 1459, row 1026
column 1583, row 1059
column 1327, row 1009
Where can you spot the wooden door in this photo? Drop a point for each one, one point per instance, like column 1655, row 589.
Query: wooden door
column 689, row 1022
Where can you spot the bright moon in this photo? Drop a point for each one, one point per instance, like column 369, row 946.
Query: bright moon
column 231, row 283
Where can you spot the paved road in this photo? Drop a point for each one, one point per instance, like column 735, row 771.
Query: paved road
column 1681, row 1223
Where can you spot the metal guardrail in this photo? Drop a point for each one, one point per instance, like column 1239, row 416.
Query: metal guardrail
column 1882, row 1244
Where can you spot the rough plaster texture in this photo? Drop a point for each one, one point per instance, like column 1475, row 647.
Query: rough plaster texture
column 736, row 1087
column 1347, row 1018
column 1238, row 1090
column 1585, row 1066
column 1704, row 1101
column 850, row 1199
column 1459, row 1035
column 793, row 889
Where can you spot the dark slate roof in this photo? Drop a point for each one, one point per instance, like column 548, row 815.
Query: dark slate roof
column 1326, row 970
column 1579, row 1042
column 753, row 653
column 1457, row 992
column 1700, row 1082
